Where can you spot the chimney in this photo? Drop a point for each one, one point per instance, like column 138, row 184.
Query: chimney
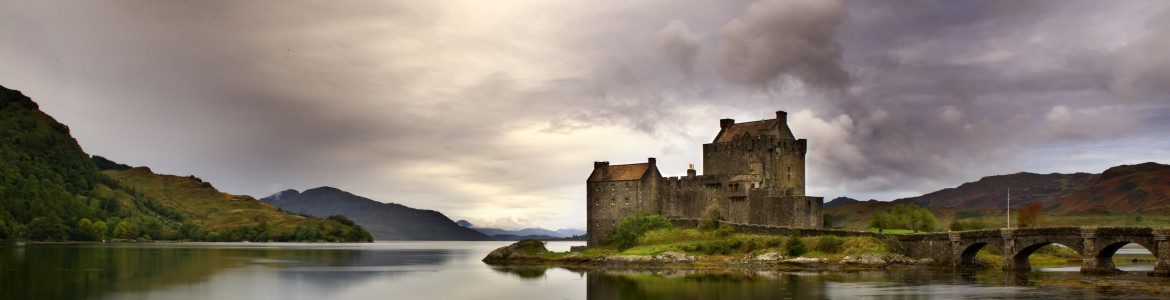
column 603, row 166
column 691, row 170
column 782, row 117
column 725, row 123
column 653, row 162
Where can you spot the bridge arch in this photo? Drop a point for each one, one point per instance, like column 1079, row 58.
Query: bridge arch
column 1022, row 258
column 967, row 258
column 1103, row 258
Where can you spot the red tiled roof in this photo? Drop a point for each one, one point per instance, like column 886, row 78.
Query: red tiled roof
column 622, row 172
column 756, row 128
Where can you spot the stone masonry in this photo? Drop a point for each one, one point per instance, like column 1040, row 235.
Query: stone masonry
column 753, row 173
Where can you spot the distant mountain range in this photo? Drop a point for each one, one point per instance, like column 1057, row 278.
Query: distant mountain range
column 385, row 221
column 526, row 233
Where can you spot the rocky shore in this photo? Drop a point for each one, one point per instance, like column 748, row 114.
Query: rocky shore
column 534, row 253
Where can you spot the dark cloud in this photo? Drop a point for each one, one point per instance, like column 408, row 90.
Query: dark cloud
column 680, row 45
column 1144, row 66
column 481, row 110
column 774, row 38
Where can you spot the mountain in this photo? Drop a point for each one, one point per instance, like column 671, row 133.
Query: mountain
column 570, row 232
column 839, row 201
column 526, row 233
column 223, row 214
column 386, row 221
column 1118, row 196
column 520, row 232
column 991, row 192
column 51, row 190
column 1142, row 188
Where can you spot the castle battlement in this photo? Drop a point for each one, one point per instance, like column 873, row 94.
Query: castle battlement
column 754, row 174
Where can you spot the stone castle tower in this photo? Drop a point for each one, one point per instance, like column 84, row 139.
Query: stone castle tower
column 753, row 172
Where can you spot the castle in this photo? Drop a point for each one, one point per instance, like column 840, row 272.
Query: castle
column 753, row 172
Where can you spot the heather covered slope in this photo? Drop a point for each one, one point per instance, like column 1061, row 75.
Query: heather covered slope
column 1127, row 195
column 386, row 221
column 1142, row 188
column 991, row 192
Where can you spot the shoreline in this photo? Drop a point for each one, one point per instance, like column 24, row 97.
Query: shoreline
column 522, row 254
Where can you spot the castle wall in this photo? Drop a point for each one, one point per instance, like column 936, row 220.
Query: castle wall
column 776, row 162
column 687, row 197
column 608, row 202
column 757, row 177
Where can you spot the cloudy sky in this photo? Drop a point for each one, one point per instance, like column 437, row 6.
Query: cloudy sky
column 494, row 111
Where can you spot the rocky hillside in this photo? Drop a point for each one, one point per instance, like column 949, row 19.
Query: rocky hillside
column 386, row 221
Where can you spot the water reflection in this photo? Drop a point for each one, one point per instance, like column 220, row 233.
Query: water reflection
column 79, row 271
column 704, row 285
column 907, row 284
column 452, row 270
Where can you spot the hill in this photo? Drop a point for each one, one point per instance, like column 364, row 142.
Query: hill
column 1127, row 195
column 526, row 233
column 386, row 221
column 51, row 190
column 991, row 192
column 1142, row 188
column 221, row 213
column 839, row 201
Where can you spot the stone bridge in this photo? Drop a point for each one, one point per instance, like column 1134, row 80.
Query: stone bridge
column 958, row 248
column 1096, row 244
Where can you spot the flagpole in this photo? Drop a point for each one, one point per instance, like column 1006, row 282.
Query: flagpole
column 1009, row 209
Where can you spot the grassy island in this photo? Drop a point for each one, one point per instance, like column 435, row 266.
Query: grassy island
column 650, row 241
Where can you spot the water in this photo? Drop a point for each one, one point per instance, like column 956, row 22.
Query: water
column 452, row 270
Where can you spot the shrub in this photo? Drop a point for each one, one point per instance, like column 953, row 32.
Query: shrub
column 961, row 225
column 724, row 231
column 829, row 244
column 630, row 228
column 795, row 246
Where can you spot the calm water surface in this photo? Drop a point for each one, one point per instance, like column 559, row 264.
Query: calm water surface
column 452, row 270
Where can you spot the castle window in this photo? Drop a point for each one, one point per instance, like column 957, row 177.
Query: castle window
column 612, row 201
column 789, row 174
column 627, row 201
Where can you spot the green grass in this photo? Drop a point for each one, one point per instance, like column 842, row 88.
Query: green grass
column 894, row 231
column 721, row 242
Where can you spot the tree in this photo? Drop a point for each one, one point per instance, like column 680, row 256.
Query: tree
column 85, row 230
column 795, row 246
column 125, row 230
column 631, row 227
column 905, row 216
column 923, row 220
column 99, row 230
column 1029, row 215
column 48, row 228
column 881, row 220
